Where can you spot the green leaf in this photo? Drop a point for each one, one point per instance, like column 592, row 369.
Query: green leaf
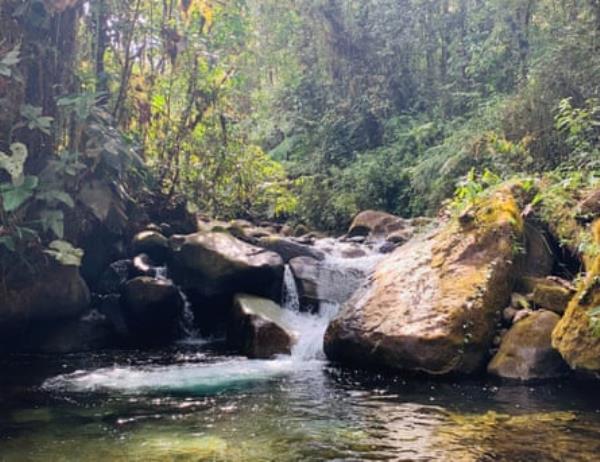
column 35, row 119
column 53, row 220
column 65, row 253
column 15, row 196
column 55, row 196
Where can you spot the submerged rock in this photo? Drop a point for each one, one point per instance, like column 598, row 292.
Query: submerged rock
column 526, row 351
column 433, row 304
column 257, row 328
column 151, row 308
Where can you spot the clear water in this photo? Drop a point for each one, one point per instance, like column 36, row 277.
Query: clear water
column 192, row 403
column 196, row 402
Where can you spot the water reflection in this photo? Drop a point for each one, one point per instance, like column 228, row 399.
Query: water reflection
column 279, row 411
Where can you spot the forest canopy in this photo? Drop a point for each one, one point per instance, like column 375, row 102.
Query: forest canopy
column 300, row 110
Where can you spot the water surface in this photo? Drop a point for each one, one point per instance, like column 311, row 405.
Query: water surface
column 191, row 403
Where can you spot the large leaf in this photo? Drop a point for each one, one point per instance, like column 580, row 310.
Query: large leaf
column 14, row 164
column 56, row 196
column 65, row 253
column 15, row 196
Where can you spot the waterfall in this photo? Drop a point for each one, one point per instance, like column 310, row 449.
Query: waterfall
column 187, row 315
column 338, row 278
column 309, row 329
column 291, row 299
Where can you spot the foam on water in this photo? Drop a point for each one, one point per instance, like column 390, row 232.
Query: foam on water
column 197, row 378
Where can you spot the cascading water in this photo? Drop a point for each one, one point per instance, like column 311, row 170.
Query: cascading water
column 187, row 315
column 338, row 278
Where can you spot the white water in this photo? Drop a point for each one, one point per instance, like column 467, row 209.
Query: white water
column 197, row 378
column 187, row 315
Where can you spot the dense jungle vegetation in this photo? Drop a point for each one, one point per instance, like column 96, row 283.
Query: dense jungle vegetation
column 300, row 110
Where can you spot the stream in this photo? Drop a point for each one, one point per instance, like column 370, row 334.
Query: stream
column 197, row 401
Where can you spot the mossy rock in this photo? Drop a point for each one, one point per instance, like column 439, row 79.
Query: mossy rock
column 577, row 335
column 526, row 351
column 432, row 305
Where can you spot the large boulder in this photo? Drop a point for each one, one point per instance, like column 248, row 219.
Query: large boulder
column 54, row 292
column 215, row 263
column 258, row 328
column 526, row 351
column 151, row 308
column 433, row 304
column 213, row 266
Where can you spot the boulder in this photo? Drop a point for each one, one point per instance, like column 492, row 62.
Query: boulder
column 371, row 222
column 211, row 264
column 433, row 304
column 526, row 351
column 258, row 328
column 288, row 249
column 153, row 244
column 151, row 308
column 550, row 293
column 55, row 292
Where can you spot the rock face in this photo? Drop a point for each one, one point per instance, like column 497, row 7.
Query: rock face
column 257, row 328
column 56, row 292
column 526, row 351
column 577, row 335
column 151, row 308
column 432, row 305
